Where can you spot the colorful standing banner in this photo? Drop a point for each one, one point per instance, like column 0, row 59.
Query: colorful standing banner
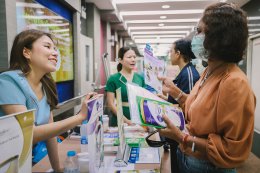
column 16, row 134
column 95, row 133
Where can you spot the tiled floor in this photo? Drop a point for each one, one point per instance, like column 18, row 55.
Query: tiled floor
column 252, row 165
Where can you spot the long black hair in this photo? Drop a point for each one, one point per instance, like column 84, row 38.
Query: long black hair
column 25, row 39
column 121, row 54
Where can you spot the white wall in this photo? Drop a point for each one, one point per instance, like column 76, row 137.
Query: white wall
column 253, row 71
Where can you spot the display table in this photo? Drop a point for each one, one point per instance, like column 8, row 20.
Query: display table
column 74, row 144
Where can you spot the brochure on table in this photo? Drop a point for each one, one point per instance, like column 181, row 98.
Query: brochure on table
column 147, row 109
column 144, row 155
column 95, row 133
column 153, row 67
column 16, row 133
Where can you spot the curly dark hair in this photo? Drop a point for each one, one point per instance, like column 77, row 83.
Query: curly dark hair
column 226, row 32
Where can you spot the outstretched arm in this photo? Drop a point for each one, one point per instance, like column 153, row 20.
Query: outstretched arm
column 50, row 130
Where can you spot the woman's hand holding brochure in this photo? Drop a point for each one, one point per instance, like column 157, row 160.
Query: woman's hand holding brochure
column 171, row 131
column 84, row 108
column 169, row 87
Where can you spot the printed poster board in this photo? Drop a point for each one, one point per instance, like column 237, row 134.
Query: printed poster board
column 16, row 135
column 153, row 67
column 147, row 109
column 95, row 133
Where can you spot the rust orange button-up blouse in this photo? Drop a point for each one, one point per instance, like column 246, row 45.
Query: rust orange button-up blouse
column 222, row 111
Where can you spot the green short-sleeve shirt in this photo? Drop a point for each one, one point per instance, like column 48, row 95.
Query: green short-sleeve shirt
column 118, row 80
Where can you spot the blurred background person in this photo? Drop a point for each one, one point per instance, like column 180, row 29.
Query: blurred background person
column 125, row 68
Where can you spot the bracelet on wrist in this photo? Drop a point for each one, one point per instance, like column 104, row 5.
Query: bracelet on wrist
column 179, row 96
column 185, row 140
column 193, row 144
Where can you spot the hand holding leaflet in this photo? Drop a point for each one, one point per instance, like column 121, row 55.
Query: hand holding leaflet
column 151, row 112
column 147, row 109
column 152, row 68
column 171, row 131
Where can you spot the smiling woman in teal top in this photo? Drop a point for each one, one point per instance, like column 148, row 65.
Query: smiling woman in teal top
column 28, row 85
column 127, row 61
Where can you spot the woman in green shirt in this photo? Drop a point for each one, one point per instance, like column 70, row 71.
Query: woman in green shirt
column 127, row 61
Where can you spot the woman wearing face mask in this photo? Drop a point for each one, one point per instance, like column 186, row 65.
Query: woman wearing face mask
column 181, row 55
column 219, row 111
column 28, row 85
column 127, row 61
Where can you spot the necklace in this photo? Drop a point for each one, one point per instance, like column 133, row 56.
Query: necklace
column 204, row 79
column 207, row 75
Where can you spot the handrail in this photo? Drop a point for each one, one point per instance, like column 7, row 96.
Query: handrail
column 68, row 104
column 72, row 99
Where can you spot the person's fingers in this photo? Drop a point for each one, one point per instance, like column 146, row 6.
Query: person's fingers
column 91, row 94
column 165, row 89
column 162, row 132
column 161, row 78
column 160, row 95
column 167, row 121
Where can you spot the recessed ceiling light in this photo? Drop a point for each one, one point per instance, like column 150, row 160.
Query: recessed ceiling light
column 165, row 6
column 163, row 17
column 59, row 21
column 161, row 12
column 39, row 12
column 165, row 20
column 160, row 24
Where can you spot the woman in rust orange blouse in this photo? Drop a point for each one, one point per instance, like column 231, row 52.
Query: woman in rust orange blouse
column 220, row 108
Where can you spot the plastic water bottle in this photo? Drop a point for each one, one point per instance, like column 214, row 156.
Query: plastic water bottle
column 71, row 163
column 84, row 137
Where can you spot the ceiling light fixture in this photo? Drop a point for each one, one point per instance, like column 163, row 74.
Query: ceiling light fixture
column 150, row 1
column 156, row 36
column 254, row 18
column 142, row 41
column 39, row 12
column 163, row 17
column 164, row 21
column 59, row 21
column 159, row 32
column 186, row 27
column 165, row 6
column 161, row 12
column 161, row 24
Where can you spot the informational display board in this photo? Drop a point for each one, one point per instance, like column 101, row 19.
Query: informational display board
column 95, row 134
column 16, row 134
column 32, row 15
column 153, row 67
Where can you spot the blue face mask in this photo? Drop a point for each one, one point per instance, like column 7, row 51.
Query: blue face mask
column 198, row 48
